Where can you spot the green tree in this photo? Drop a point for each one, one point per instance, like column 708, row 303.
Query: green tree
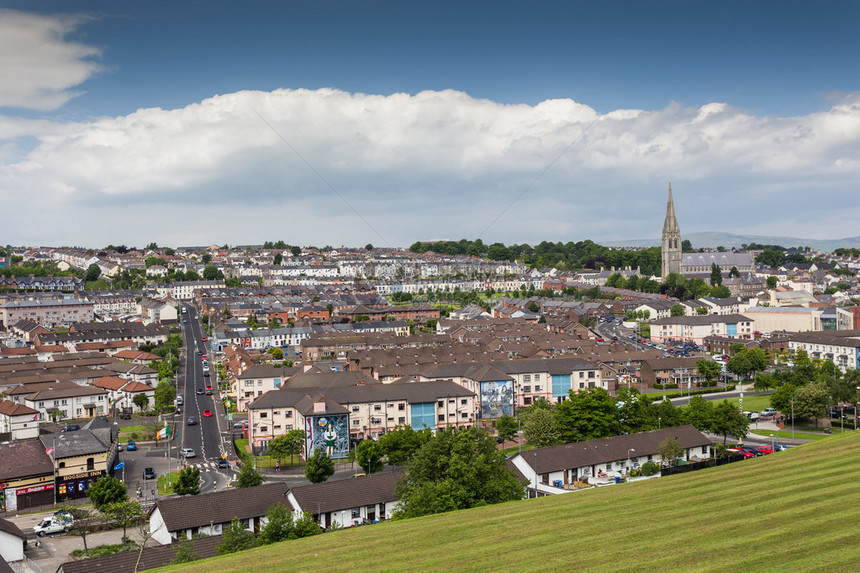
column 670, row 450
column 721, row 291
column 85, row 520
column 728, row 421
column 739, row 365
column 782, row 397
column 165, row 394
column 708, row 369
column 687, row 246
column 369, row 454
column 235, row 538
column 677, row 309
column 141, row 401
column 281, row 526
column 587, row 415
column 93, row 273
column 506, row 427
column 296, row 251
column 811, row 400
column 187, row 481
column 277, row 353
column 280, row 447
column 400, row 444
column 279, row 258
column 699, row 412
column 635, row 412
column 772, row 282
column 106, row 490
column 183, row 552
column 249, row 477
column 319, row 467
column 125, row 513
column 211, row 273
column 716, row 275
column 456, row 469
column 541, row 429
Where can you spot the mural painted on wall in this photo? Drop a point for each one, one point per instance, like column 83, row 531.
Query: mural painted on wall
column 331, row 433
column 497, row 399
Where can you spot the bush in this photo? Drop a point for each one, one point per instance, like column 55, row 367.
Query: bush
column 649, row 469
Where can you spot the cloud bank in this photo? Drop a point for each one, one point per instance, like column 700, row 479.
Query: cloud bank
column 251, row 166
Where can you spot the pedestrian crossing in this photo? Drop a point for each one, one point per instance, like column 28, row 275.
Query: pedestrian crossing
column 203, row 466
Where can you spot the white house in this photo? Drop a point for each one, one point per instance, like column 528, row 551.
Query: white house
column 18, row 420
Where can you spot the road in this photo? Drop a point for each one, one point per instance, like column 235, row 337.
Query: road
column 206, row 438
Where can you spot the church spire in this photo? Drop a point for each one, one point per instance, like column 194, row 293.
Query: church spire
column 671, row 250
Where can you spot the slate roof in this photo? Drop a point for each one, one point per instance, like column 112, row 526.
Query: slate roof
column 24, row 458
column 9, row 408
column 220, row 507
column 11, row 528
column 344, row 494
column 702, row 319
column 604, row 450
column 78, row 442
column 151, row 558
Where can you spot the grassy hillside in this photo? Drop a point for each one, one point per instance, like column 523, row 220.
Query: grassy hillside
column 797, row 510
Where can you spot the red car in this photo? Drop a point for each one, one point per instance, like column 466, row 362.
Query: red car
column 207, row 413
column 204, row 339
column 747, row 455
column 765, row 449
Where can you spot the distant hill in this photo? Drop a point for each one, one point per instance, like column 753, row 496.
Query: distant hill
column 789, row 511
column 714, row 240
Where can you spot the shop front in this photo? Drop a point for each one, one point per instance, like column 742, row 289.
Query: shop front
column 27, row 494
column 76, row 485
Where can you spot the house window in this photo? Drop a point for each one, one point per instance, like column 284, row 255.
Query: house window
column 440, row 404
column 464, row 415
column 264, row 428
column 591, row 374
column 463, row 402
column 264, row 414
column 401, row 420
column 582, row 374
column 356, row 513
column 91, row 464
column 527, row 377
column 401, row 407
column 537, row 377
column 355, row 422
column 609, row 466
column 527, row 389
column 441, row 417
column 527, row 400
column 62, row 464
column 355, row 408
column 537, row 388
column 377, row 407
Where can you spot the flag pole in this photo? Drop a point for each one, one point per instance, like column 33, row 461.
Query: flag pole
column 54, row 464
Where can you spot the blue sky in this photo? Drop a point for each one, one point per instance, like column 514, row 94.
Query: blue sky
column 428, row 118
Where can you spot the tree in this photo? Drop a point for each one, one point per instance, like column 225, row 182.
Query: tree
column 183, row 553
column 85, row 520
column 400, row 445
column 721, row 291
column 280, row 447
column 206, row 258
column 739, row 365
column 126, row 513
column 294, row 440
column 319, row 467
column 670, row 450
column 687, row 246
column 635, row 412
column 280, row 526
column 587, row 415
column 369, row 454
column 276, row 353
column 728, row 421
column 456, row 469
column 279, row 258
column 734, row 272
column 141, row 401
column 106, row 490
column 211, row 273
column 708, row 369
column 810, row 402
column 235, row 538
column 782, row 397
column 93, row 273
column 533, row 307
column 771, row 282
column 506, row 427
column 541, row 429
column 187, row 481
column 165, row 394
column 699, row 412
column 677, row 309
column 757, row 359
column 249, row 477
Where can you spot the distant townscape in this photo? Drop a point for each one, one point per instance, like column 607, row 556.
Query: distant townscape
column 178, row 380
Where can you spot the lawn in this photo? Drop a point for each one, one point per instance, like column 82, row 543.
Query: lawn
column 805, row 518
column 163, row 488
column 753, row 403
column 787, row 434
column 126, row 432
column 267, row 461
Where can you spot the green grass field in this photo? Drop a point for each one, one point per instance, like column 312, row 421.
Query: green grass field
column 790, row 511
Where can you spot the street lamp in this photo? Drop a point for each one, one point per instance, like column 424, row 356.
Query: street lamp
column 628, row 459
column 792, row 417
column 771, row 443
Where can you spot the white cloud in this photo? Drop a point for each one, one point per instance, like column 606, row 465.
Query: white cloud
column 431, row 164
column 38, row 65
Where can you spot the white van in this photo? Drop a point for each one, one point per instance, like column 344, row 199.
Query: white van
column 53, row 524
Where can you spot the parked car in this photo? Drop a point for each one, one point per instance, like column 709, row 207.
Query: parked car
column 54, row 524
column 125, row 415
column 765, row 450
column 148, row 473
column 71, row 428
column 223, row 464
column 119, row 447
column 187, row 453
column 180, row 400
column 239, row 425
column 192, row 421
column 768, row 412
column 207, row 413
column 741, row 452
column 199, row 391
column 749, row 449
column 131, row 447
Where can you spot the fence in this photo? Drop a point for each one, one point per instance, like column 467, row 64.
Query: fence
column 26, row 565
column 693, row 466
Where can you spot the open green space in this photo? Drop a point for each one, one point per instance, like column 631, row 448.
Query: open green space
column 753, row 403
column 787, row 434
column 268, row 461
column 163, row 488
column 790, row 511
column 125, row 434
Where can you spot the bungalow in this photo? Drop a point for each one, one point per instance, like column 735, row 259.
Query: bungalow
column 556, row 467
column 148, row 558
column 348, row 502
column 211, row 513
column 12, row 541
